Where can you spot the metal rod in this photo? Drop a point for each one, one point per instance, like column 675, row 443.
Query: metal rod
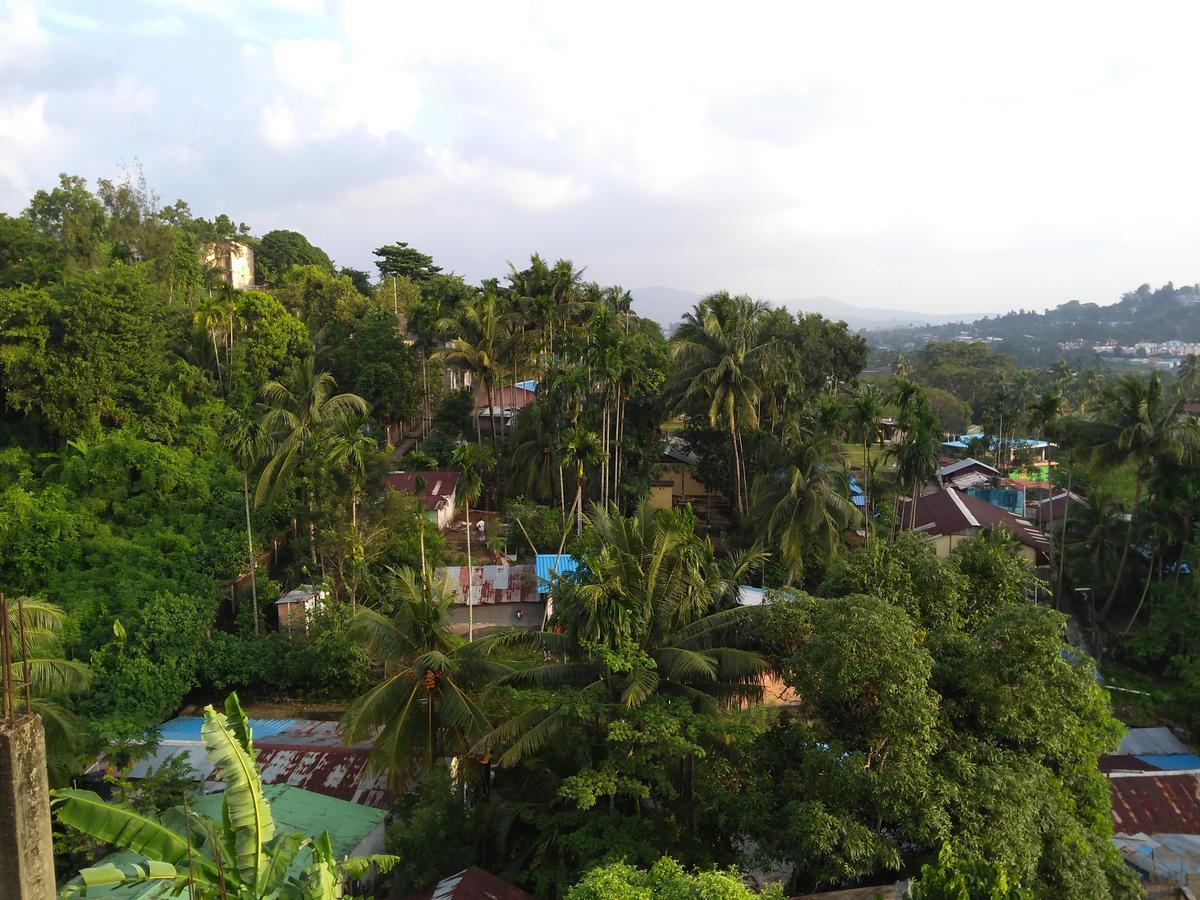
column 25, row 657
column 6, row 659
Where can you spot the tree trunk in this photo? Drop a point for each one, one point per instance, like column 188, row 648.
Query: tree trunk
column 867, row 493
column 737, row 468
column 1133, row 511
column 470, row 577
column 492, row 414
column 250, row 550
column 217, row 358
column 1145, row 590
column 1062, row 549
column 579, row 504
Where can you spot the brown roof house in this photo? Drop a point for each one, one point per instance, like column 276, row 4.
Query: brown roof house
column 948, row 517
column 439, row 494
column 472, row 883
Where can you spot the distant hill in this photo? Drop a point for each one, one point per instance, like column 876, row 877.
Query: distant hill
column 667, row 305
column 1033, row 338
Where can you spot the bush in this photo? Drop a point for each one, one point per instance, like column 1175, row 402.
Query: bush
column 432, row 834
column 665, row 880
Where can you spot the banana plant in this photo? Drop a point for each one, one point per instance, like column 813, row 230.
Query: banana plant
column 240, row 858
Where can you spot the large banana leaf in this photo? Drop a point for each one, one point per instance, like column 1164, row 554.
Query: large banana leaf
column 86, row 812
column 281, row 853
column 246, row 807
column 239, row 723
column 109, row 874
column 321, row 880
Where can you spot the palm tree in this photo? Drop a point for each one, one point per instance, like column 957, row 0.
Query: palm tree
column 248, row 442
column 476, row 343
column 425, row 705
column 916, row 452
column 471, row 460
column 1140, row 424
column 300, row 414
column 636, row 620
column 350, row 448
column 212, row 313
column 533, row 460
column 241, row 856
column 715, row 350
column 50, row 678
column 797, row 504
column 580, row 449
column 1189, row 375
column 862, row 421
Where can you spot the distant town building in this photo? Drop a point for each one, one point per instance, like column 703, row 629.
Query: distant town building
column 232, row 262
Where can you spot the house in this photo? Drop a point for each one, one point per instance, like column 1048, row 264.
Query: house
column 472, row 883
column 964, row 442
column 965, row 473
column 675, row 482
column 296, row 607
column 948, row 517
column 302, row 753
column 439, row 494
column 1051, row 510
column 353, row 831
column 1156, row 824
column 550, row 568
column 502, row 596
column 232, row 262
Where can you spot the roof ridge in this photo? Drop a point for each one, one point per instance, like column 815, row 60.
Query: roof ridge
column 962, row 507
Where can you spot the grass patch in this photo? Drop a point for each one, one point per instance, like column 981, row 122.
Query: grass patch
column 1120, row 481
column 1143, row 700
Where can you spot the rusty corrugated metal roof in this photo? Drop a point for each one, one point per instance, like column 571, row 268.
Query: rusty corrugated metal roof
column 331, row 771
column 1155, row 804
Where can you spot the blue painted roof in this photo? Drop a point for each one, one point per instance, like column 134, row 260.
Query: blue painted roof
column 859, row 500
column 187, row 728
column 550, row 563
column 855, row 487
column 1173, row 762
column 530, row 385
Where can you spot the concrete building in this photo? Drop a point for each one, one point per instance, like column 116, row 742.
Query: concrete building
column 232, row 262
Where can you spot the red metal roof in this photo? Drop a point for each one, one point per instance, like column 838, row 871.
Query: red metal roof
column 472, row 884
column 951, row 512
column 332, row 771
column 439, row 484
column 1155, row 804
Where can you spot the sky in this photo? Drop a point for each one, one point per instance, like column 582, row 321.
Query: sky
column 931, row 156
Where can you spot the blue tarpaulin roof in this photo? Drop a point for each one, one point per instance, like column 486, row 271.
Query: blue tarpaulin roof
column 550, row 563
column 187, row 728
column 1173, row 762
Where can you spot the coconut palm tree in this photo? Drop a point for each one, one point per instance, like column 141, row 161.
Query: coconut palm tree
column 797, row 503
column 248, row 442
column 240, row 857
column 301, row 412
column 50, row 679
column 533, row 461
column 425, row 705
column 1189, row 376
column 472, row 460
column 639, row 618
column 1141, row 424
column 716, row 351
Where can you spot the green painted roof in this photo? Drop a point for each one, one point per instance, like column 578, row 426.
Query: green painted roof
column 292, row 808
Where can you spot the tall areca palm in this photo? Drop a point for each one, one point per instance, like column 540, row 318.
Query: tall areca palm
column 472, row 460
column 350, row 448
column 637, row 620
column 425, row 706
column 50, row 679
column 716, row 350
column 796, row 504
column 301, row 412
column 580, row 450
column 1139, row 423
column 239, row 857
column 863, row 421
column 916, row 451
column 476, row 341
column 248, row 442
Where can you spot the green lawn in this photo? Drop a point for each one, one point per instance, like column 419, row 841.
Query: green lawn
column 1120, row 481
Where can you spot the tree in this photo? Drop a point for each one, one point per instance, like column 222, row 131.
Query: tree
column 471, row 460
column 951, row 878
column 300, row 414
column 51, row 678
column 278, row 251
column 715, row 350
column 916, row 451
column 475, row 332
column 241, row 856
column 581, row 450
column 798, row 502
column 665, row 880
column 425, row 706
column 350, row 448
column 1141, row 424
column 399, row 260
column 248, row 442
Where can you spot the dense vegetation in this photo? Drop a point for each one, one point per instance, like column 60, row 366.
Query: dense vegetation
column 174, row 453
